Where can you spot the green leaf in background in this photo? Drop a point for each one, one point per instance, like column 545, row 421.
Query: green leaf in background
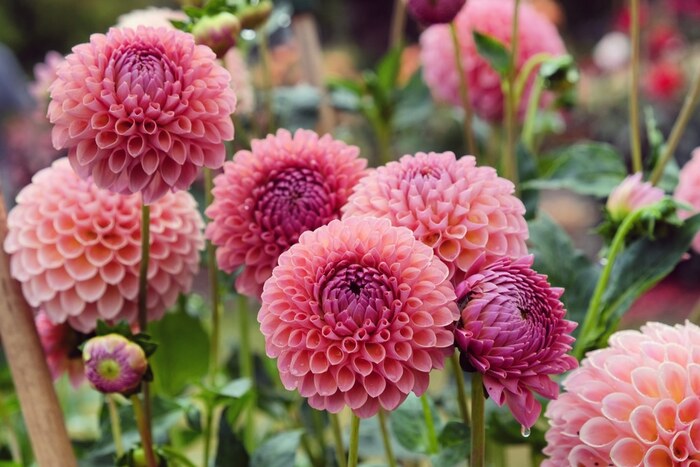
column 408, row 424
column 455, row 443
column 560, row 73
column 494, row 51
column 183, row 354
column 564, row 265
column 669, row 177
column 230, row 449
column 388, row 70
column 588, row 168
column 278, row 451
column 527, row 170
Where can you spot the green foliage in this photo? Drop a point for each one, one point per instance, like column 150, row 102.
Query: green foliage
column 527, row 170
column 455, row 443
column 230, row 449
column 494, row 51
column 408, row 425
column 560, row 74
column 278, row 451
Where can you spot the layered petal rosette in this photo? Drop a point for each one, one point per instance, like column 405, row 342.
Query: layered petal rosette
column 512, row 330
column 267, row 197
column 634, row 403
column 141, row 110
column 462, row 211
column 358, row 313
column 76, row 249
column 61, row 347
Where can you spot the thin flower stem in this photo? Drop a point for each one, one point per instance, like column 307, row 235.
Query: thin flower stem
column 144, row 431
column 208, row 430
column 532, row 106
column 353, row 454
column 478, row 425
column 338, row 440
column 510, row 162
column 464, row 93
column 635, row 137
column 398, row 24
column 143, row 298
column 267, row 81
column 319, row 432
column 246, row 365
column 461, row 389
column 213, row 288
column 691, row 101
column 528, row 68
column 115, row 424
column 389, row 451
column 429, row 425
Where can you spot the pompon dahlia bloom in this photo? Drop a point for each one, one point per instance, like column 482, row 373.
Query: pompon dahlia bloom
column 494, row 18
column 631, row 194
column 267, row 197
column 512, row 330
column 76, row 249
column 141, row 110
column 461, row 210
column 60, row 343
column 634, row 403
column 688, row 189
column 114, row 364
column 358, row 313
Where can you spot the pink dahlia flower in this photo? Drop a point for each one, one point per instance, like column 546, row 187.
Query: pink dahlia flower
column 461, row 210
column 634, row 403
column 76, row 249
column 494, row 18
column 240, row 81
column 512, row 330
column 44, row 75
column 688, row 190
column 114, row 364
column 60, row 343
column 152, row 16
column 633, row 193
column 141, row 110
column 267, row 197
column 358, row 313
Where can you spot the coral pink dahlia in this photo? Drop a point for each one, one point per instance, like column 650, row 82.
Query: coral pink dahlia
column 494, row 18
column 688, row 189
column 140, row 110
column 635, row 403
column 358, row 313
column 76, row 249
column 61, row 346
column 268, row 196
column 513, row 331
column 461, row 210
column 630, row 195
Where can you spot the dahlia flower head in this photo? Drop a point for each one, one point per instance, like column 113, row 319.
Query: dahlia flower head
column 61, row 347
column 141, row 110
column 688, row 190
column 44, row 75
column 634, row 403
column 462, row 211
column 358, row 313
column 268, row 196
column 114, row 364
column 631, row 194
column 512, row 330
column 76, row 249
column 536, row 34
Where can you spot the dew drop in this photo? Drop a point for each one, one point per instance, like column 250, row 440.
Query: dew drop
column 525, row 431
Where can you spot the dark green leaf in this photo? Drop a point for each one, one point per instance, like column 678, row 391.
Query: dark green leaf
column 494, row 51
column 278, row 451
column 454, row 444
column 669, row 177
column 230, row 450
column 388, row 70
column 527, row 170
column 408, row 425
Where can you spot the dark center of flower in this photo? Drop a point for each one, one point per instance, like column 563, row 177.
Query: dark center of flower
column 144, row 66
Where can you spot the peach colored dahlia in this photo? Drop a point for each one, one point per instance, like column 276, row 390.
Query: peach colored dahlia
column 141, row 110
column 494, row 18
column 635, row 403
column 76, row 249
column 688, row 190
column 287, row 184
column 461, row 210
column 631, row 194
column 358, row 313
column 60, row 343
column 512, row 330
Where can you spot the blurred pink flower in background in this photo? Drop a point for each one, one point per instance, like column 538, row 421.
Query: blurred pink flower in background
column 631, row 194
column 664, row 81
column 152, row 16
column 76, row 249
column 633, row 403
column 494, row 18
column 688, row 190
column 268, row 196
column 60, row 343
column 358, row 313
column 141, row 110
column 240, row 81
column 430, row 12
column 460, row 210
column 513, row 331
column 44, row 75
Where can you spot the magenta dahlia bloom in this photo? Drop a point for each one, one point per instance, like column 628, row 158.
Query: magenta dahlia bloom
column 76, row 249
column 634, row 403
column 358, row 313
column 430, row 12
column 114, row 364
column 141, row 110
column 494, row 18
column 61, row 346
column 633, row 193
column 688, row 190
column 460, row 210
column 287, row 184
column 512, row 330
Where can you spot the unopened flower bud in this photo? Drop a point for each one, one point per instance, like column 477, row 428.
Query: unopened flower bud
column 429, row 12
column 633, row 193
column 114, row 364
column 254, row 16
column 219, row 32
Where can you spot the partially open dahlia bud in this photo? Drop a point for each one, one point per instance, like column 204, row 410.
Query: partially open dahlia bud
column 429, row 12
column 219, row 32
column 114, row 364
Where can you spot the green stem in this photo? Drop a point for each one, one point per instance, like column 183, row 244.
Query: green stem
column 464, row 93
column 115, row 424
column 208, row 430
column 635, row 138
column 461, row 389
column 267, row 81
column 213, row 288
column 319, row 432
column 691, row 101
column 386, row 439
column 144, row 431
column 398, row 24
column 143, row 298
column 246, row 365
column 433, row 446
column 353, row 454
column 338, row 440
column 510, row 162
column 528, row 68
column 478, row 425
column 532, row 107
column 383, row 133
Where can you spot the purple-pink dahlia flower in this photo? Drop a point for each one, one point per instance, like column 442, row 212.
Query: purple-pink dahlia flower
column 461, row 210
column 287, row 184
column 76, row 249
column 114, row 364
column 430, row 12
column 512, row 330
column 631, row 194
column 536, row 34
column 358, row 313
column 688, row 190
column 634, row 403
column 61, row 347
column 141, row 110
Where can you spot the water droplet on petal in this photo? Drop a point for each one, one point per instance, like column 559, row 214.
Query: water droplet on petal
column 525, row 431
